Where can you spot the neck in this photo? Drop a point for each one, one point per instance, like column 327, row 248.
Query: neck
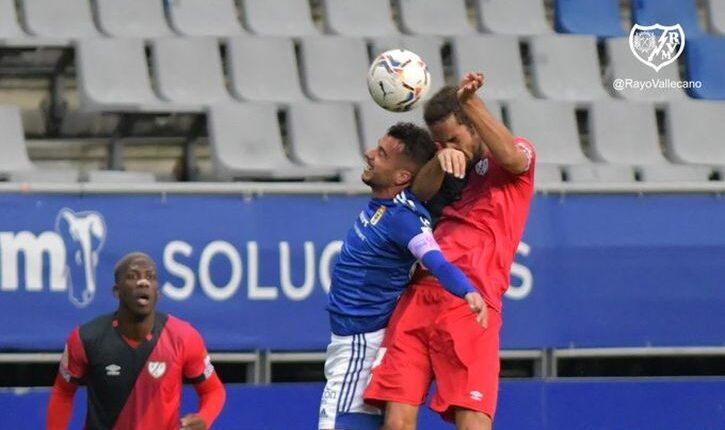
column 134, row 326
column 388, row 192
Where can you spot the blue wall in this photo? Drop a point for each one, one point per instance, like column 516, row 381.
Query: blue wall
column 662, row 404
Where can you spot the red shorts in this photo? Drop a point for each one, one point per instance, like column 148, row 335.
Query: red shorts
column 433, row 334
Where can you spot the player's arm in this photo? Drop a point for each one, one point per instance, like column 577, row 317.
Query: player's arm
column 72, row 367
column 429, row 179
column 492, row 132
column 212, row 395
column 418, row 238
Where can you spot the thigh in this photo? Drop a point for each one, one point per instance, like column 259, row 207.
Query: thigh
column 465, row 360
column 347, row 370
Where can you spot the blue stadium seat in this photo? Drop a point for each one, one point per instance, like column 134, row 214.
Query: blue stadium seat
column 597, row 17
column 705, row 59
column 668, row 12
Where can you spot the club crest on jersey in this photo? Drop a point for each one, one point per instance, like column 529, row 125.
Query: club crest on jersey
column 378, row 214
column 156, row 368
column 482, row 167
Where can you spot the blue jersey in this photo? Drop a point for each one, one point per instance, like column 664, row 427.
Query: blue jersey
column 375, row 263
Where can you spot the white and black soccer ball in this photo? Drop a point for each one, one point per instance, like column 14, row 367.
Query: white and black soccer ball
column 398, row 80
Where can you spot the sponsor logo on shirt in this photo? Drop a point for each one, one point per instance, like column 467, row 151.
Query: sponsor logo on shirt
column 378, row 215
column 208, row 367
column 113, row 370
column 156, row 368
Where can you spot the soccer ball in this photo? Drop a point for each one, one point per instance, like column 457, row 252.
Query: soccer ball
column 398, row 79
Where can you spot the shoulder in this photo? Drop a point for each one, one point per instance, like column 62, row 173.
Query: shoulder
column 179, row 328
column 526, row 147
column 407, row 203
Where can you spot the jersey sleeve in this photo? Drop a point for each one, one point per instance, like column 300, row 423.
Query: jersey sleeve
column 527, row 149
column 73, row 362
column 197, row 364
column 413, row 232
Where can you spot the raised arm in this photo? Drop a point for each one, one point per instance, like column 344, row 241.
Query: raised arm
column 429, row 179
column 492, row 132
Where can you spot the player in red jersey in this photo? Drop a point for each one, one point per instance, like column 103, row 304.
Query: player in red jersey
column 432, row 334
column 134, row 363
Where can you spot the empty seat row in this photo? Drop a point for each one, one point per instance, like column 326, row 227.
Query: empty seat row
column 69, row 19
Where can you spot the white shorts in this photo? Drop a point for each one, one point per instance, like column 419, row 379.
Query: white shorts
column 347, row 369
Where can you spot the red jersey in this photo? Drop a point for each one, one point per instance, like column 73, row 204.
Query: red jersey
column 135, row 388
column 480, row 232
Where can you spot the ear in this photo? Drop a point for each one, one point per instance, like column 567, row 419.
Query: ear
column 403, row 176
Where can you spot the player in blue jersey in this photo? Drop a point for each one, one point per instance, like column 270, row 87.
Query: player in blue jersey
column 373, row 269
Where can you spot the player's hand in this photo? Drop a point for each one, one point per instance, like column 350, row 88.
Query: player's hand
column 453, row 161
column 470, row 83
column 192, row 422
column 478, row 307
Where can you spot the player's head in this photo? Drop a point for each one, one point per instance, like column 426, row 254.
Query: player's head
column 400, row 153
column 136, row 285
column 449, row 124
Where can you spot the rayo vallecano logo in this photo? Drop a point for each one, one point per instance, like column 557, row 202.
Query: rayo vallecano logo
column 657, row 45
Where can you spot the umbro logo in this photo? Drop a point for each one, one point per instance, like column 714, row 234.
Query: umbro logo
column 113, row 370
column 476, row 396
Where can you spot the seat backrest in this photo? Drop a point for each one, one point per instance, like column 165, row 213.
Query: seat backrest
column 279, row 17
column 132, row 18
column 695, row 130
column 624, row 132
column 325, row 135
column 375, row 121
column 276, row 79
column 435, row 17
column 245, row 136
column 624, row 65
column 591, row 172
column 705, row 59
column 533, row 119
column 716, row 16
column 547, row 173
column 205, row 18
column 596, row 17
column 675, row 173
column 369, row 18
column 12, row 140
column 523, row 17
column 189, row 70
column 113, row 71
column 561, row 75
column 334, row 68
column 427, row 47
column 59, row 19
column 668, row 12
column 499, row 57
column 9, row 26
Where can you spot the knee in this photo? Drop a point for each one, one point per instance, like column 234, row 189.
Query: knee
column 398, row 422
column 469, row 420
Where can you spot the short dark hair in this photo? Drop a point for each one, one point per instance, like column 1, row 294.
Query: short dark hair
column 442, row 104
column 418, row 145
column 126, row 261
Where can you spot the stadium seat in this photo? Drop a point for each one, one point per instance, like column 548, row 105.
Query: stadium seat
column 132, row 18
column 599, row 172
column 59, row 19
column 695, row 132
column 522, row 17
column 120, row 177
column 112, row 75
column 596, row 17
column 624, row 65
column 189, row 70
column 668, row 12
column 276, row 79
column 279, row 18
column 716, row 16
column 547, row 173
column 567, row 68
column 705, row 59
column 374, row 121
column 370, row 18
column 435, row 17
column 9, row 25
column 533, row 119
column 324, row 135
column 499, row 57
column 429, row 49
column 205, row 18
column 15, row 165
column 333, row 68
column 246, row 143
column 675, row 173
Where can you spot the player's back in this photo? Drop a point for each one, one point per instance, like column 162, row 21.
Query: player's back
column 374, row 264
column 481, row 231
